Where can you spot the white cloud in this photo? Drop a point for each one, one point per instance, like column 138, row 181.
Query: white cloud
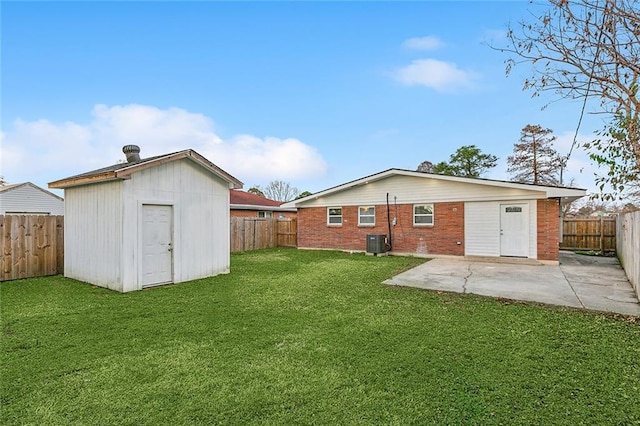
column 423, row 43
column 267, row 159
column 438, row 75
column 41, row 151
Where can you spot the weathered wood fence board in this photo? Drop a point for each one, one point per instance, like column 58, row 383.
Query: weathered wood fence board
column 628, row 247
column 589, row 234
column 261, row 233
column 287, row 233
column 31, row 246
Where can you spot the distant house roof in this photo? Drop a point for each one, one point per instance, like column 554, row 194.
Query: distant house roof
column 548, row 191
column 125, row 170
column 243, row 197
column 11, row 187
column 242, row 200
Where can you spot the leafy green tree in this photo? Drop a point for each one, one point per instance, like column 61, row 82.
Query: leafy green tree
column 613, row 151
column 304, row 194
column 467, row 161
column 256, row 190
column 444, row 168
column 534, row 159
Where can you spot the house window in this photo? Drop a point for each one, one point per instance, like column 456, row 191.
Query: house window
column 265, row 214
column 334, row 216
column 367, row 215
column 423, row 214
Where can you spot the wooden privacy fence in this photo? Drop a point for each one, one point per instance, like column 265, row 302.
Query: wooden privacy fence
column 287, row 233
column 597, row 234
column 628, row 227
column 31, row 246
column 261, row 233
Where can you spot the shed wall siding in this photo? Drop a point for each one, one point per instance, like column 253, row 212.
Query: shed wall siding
column 410, row 189
column 200, row 219
column 93, row 234
column 27, row 199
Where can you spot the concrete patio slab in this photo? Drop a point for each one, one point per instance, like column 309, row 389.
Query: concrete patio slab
column 588, row 282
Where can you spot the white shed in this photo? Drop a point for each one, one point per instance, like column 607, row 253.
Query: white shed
column 147, row 222
column 27, row 198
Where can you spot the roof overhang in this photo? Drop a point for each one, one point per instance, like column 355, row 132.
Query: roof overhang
column 545, row 191
column 262, row 208
column 125, row 171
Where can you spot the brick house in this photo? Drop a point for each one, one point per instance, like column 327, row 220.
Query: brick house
column 248, row 204
column 427, row 214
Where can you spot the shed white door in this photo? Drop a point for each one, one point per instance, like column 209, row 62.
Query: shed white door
column 514, row 230
column 157, row 247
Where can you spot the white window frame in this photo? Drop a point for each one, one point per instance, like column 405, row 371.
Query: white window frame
column 361, row 216
column 264, row 214
column 330, row 216
column 415, row 215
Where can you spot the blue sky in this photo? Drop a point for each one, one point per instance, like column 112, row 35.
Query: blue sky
column 314, row 93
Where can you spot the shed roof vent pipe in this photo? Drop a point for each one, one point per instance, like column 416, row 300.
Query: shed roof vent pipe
column 132, row 152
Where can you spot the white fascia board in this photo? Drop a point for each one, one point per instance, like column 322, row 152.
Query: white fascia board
column 261, row 208
column 548, row 191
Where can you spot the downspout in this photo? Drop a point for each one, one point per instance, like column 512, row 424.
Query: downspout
column 561, row 221
column 390, row 243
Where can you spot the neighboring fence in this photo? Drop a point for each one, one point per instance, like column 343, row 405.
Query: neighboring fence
column 287, row 233
column 261, row 233
column 628, row 247
column 31, row 246
column 597, row 234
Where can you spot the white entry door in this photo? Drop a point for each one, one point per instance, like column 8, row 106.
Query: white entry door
column 157, row 247
column 514, row 230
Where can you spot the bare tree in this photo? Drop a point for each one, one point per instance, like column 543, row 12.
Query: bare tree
column 426, row 167
column 280, row 191
column 534, row 160
column 589, row 49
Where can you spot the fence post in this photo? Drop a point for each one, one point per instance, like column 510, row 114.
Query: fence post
column 602, row 234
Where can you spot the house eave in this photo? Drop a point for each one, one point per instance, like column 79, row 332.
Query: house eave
column 261, row 208
column 543, row 191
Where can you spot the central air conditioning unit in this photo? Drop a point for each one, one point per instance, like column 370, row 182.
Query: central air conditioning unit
column 376, row 244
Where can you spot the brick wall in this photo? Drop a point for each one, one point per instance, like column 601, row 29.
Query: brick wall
column 548, row 229
column 441, row 238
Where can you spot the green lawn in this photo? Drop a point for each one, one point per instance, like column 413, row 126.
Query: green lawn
column 307, row 337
